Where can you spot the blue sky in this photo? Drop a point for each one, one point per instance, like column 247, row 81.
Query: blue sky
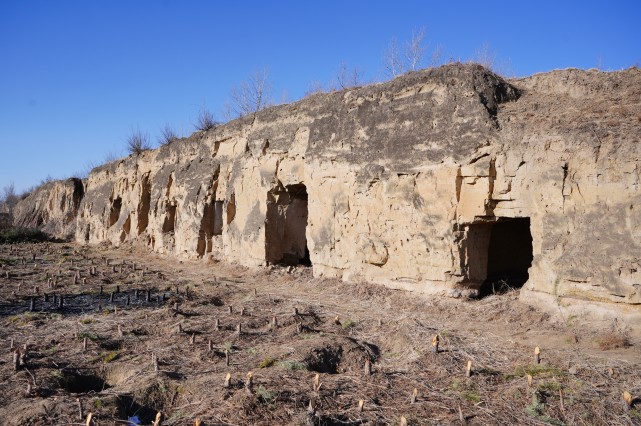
column 77, row 77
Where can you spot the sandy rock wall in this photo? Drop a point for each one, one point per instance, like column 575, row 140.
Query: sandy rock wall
column 52, row 206
column 449, row 181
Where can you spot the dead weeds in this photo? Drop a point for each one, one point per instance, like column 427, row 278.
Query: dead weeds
column 171, row 349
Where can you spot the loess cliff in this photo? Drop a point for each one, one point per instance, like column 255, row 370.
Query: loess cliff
column 450, row 180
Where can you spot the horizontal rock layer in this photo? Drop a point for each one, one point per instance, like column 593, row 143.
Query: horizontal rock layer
column 440, row 181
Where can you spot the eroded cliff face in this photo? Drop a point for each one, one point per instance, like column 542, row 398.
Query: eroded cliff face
column 449, row 180
column 52, row 207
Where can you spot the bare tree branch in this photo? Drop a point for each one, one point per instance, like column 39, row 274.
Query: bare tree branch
column 252, row 95
column 346, row 78
column 392, row 59
column 314, row 87
column 397, row 61
column 485, row 56
column 138, row 142
column 414, row 50
column 9, row 198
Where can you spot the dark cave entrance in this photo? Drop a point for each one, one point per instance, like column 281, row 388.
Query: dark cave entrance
column 114, row 213
column 286, row 226
column 509, row 255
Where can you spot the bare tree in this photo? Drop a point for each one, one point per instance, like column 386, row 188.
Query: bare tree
column 167, row 135
column 138, row 142
column 485, row 56
column 392, row 59
column 9, row 198
column 314, row 87
column 414, row 50
column 251, row 95
column 397, row 61
column 206, row 120
column 346, row 78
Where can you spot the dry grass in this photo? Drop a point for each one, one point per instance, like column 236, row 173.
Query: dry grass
column 392, row 329
column 608, row 341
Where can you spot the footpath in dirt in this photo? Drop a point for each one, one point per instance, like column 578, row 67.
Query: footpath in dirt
column 123, row 335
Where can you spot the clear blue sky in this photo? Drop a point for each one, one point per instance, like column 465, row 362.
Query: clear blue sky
column 76, row 77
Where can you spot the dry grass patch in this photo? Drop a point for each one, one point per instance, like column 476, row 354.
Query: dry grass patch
column 610, row 341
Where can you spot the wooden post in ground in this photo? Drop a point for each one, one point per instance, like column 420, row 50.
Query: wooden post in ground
column 158, row 421
column 435, row 343
column 368, row 367
column 628, row 399
column 249, row 383
column 414, row 396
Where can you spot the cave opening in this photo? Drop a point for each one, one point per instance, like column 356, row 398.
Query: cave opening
column 286, row 226
column 211, row 225
column 169, row 224
column 114, row 213
column 144, row 205
column 509, row 255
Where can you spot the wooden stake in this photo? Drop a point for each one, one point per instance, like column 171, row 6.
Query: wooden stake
column 562, row 400
column 368, row 367
column 227, row 380
column 227, row 357
column 255, row 293
column 239, row 329
column 403, row 421
column 628, row 399
column 435, row 343
column 210, row 347
column 84, row 344
column 529, row 380
column 317, row 383
column 230, row 309
column 80, row 410
column 274, row 322
column 197, row 422
column 120, row 333
column 154, row 361
column 193, row 338
column 158, row 421
column 468, row 370
column 361, row 405
column 16, row 359
column 249, row 383
column 89, row 421
column 461, row 416
column 217, row 324
column 414, row 396
column 537, row 355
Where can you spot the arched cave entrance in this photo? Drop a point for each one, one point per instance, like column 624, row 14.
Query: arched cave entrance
column 500, row 254
column 286, row 225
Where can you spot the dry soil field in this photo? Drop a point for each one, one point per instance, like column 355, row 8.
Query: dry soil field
column 137, row 334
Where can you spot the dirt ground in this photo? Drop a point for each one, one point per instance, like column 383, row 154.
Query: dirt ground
column 139, row 333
